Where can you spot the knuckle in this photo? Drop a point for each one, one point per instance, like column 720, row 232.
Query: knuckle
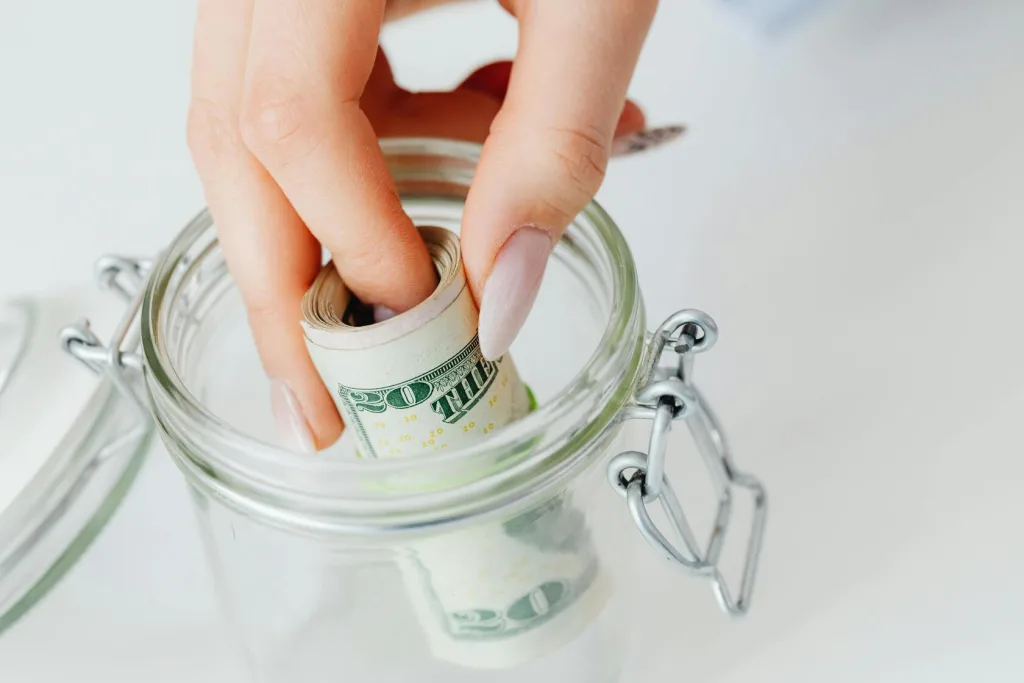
column 211, row 131
column 366, row 256
column 266, row 312
column 567, row 165
column 261, row 309
column 582, row 159
column 279, row 119
column 365, row 260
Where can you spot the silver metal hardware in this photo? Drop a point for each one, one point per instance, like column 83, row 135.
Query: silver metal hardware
column 126, row 276
column 118, row 357
column 668, row 394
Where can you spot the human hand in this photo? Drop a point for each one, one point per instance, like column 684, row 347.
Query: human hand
column 289, row 98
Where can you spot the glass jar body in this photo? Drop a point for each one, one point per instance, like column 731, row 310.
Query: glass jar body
column 488, row 563
column 312, row 608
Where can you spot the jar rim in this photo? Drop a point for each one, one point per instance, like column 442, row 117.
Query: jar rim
column 261, row 467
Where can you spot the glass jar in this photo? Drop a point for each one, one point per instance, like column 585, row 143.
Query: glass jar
column 58, row 488
column 495, row 562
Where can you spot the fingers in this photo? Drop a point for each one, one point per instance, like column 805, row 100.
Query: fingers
column 308, row 63
column 463, row 114
column 288, row 159
column 271, row 255
column 493, row 79
column 631, row 121
column 459, row 115
column 546, row 155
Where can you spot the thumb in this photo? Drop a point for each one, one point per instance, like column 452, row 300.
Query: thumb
column 547, row 151
column 529, row 185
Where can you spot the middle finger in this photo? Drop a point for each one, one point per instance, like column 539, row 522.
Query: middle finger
column 308, row 64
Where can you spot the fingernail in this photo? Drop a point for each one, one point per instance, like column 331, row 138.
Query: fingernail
column 291, row 423
column 382, row 313
column 645, row 139
column 511, row 289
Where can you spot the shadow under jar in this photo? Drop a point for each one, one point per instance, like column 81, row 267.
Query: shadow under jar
column 494, row 562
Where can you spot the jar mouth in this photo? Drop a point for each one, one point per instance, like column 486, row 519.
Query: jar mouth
column 360, row 495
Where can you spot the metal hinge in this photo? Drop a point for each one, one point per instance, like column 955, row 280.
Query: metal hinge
column 117, row 357
column 668, row 394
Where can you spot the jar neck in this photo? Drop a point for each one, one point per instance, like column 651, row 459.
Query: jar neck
column 521, row 461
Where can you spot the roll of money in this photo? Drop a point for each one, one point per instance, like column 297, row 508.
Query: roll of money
column 497, row 594
column 500, row 595
column 415, row 383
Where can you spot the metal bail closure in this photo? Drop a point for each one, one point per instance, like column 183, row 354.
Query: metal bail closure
column 118, row 358
column 669, row 394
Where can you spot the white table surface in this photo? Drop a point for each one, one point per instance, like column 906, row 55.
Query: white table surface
column 849, row 206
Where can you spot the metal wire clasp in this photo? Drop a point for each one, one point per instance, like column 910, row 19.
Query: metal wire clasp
column 115, row 359
column 668, row 394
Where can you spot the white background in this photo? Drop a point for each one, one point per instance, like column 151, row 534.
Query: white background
column 849, row 205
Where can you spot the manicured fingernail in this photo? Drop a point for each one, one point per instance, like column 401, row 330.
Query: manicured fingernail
column 511, row 289
column 382, row 313
column 291, row 423
column 645, row 139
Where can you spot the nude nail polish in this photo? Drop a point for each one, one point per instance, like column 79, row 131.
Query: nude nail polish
column 292, row 427
column 382, row 313
column 511, row 289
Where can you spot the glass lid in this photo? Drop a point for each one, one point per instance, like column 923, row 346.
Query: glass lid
column 70, row 444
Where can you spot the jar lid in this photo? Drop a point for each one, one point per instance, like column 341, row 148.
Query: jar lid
column 70, row 444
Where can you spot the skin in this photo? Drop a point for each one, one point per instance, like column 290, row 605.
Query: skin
column 289, row 98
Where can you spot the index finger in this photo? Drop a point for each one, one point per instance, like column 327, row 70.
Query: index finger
column 308, row 65
column 271, row 256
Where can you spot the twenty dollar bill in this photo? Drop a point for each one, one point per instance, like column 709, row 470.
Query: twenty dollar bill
column 493, row 595
column 418, row 382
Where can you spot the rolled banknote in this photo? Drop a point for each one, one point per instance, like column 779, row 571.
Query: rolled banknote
column 415, row 383
column 496, row 594
column 500, row 595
